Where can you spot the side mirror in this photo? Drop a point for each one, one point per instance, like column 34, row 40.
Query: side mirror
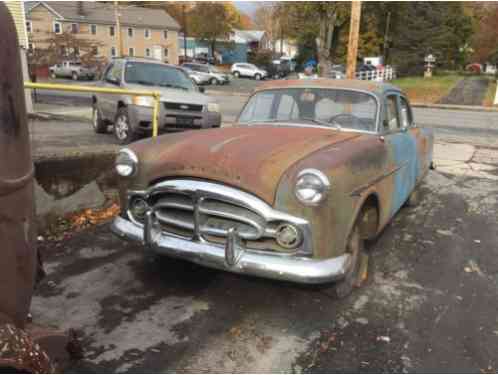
column 202, row 89
column 113, row 81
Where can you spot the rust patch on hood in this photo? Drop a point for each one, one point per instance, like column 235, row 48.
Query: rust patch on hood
column 252, row 158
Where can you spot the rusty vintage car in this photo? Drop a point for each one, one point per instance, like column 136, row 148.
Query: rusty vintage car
column 310, row 170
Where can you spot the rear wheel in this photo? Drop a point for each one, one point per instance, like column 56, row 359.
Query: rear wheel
column 236, row 74
column 414, row 199
column 214, row 81
column 99, row 125
column 123, row 130
column 74, row 76
column 53, row 75
column 257, row 76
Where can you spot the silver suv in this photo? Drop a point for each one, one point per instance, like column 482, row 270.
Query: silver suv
column 183, row 105
column 216, row 77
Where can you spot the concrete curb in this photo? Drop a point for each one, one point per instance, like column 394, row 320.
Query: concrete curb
column 456, row 107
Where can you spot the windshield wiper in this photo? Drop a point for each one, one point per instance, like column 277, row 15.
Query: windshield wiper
column 322, row 123
column 145, row 83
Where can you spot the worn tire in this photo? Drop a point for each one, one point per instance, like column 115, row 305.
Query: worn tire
column 98, row 123
column 123, row 130
column 414, row 199
column 236, row 74
column 355, row 247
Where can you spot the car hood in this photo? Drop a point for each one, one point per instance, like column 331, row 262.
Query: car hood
column 174, row 95
column 252, row 158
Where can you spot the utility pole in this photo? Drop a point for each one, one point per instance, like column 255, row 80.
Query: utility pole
column 184, row 32
column 117, row 17
column 386, row 39
column 354, row 33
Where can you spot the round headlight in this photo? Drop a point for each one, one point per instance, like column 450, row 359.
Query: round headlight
column 126, row 163
column 312, row 187
column 288, row 236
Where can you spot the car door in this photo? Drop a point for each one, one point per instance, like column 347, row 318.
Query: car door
column 424, row 138
column 112, row 79
column 401, row 143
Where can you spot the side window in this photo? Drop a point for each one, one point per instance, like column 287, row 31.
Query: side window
column 115, row 72
column 406, row 113
column 391, row 122
column 287, row 108
column 259, row 108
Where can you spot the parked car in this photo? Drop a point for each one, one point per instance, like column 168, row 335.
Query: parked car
column 310, row 170
column 204, row 58
column 198, row 77
column 183, row 105
column 248, row 70
column 278, row 69
column 72, row 69
column 216, row 76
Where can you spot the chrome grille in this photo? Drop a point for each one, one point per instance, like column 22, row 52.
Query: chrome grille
column 183, row 106
column 177, row 213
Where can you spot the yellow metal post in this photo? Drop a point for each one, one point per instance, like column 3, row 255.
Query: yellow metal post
column 155, row 119
column 94, row 90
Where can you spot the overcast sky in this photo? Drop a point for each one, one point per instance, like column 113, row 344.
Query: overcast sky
column 248, row 7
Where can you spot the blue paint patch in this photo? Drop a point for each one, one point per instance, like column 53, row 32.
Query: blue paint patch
column 404, row 148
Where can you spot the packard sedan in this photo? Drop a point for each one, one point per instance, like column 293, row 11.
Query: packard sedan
column 310, row 170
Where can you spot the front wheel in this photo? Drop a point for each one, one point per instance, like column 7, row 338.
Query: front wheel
column 74, row 76
column 355, row 248
column 99, row 125
column 214, row 81
column 123, row 130
column 257, row 76
column 53, row 75
column 236, row 74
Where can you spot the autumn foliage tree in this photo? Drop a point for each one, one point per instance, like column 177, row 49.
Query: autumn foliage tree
column 485, row 41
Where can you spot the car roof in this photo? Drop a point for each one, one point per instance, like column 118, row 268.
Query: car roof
column 377, row 88
column 144, row 60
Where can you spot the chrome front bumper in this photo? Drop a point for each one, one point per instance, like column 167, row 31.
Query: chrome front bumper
column 233, row 257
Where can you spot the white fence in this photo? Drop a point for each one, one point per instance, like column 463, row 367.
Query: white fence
column 380, row 75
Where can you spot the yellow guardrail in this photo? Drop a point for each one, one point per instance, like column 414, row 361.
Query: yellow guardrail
column 101, row 90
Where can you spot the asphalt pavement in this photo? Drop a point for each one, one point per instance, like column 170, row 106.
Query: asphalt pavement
column 429, row 303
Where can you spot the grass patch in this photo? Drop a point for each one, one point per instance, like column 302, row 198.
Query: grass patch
column 427, row 90
column 490, row 94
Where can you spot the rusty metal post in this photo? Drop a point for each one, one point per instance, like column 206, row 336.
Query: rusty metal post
column 20, row 349
column 18, row 256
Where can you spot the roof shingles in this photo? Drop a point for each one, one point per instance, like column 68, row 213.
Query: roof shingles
column 103, row 13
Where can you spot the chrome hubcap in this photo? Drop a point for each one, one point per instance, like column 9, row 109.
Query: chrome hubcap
column 121, row 127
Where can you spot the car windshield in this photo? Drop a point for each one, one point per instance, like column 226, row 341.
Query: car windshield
column 312, row 106
column 151, row 74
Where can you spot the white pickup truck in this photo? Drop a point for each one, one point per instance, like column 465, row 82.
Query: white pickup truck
column 71, row 69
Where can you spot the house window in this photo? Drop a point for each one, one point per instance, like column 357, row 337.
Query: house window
column 147, row 52
column 111, row 30
column 113, row 51
column 130, row 32
column 57, row 28
column 147, row 33
column 131, row 52
column 95, row 50
column 165, row 34
column 165, row 52
column 74, row 28
column 76, row 51
column 28, row 26
column 93, row 29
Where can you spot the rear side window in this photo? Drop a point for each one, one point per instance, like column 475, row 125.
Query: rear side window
column 406, row 113
column 391, row 122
